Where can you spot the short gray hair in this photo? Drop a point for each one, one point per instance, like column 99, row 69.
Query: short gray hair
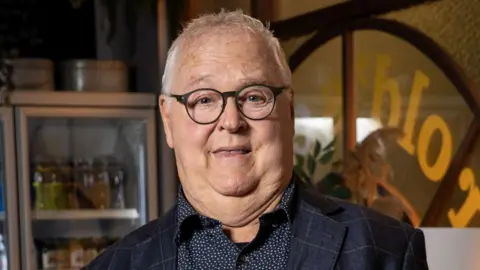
column 223, row 19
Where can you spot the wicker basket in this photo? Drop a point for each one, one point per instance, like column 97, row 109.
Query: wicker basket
column 33, row 74
column 94, row 75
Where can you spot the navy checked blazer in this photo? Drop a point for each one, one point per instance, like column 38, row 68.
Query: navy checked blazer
column 327, row 234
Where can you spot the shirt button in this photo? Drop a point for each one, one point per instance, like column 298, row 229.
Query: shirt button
column 274, row 225
column 242, row 259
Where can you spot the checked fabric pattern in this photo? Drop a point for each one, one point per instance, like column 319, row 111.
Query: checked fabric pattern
column 327, row 234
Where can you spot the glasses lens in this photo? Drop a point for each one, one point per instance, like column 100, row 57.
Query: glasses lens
column 204, row 106
column 256, row 102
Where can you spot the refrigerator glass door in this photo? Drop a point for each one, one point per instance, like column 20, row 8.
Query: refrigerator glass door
column 88, row 178
column 9, row 246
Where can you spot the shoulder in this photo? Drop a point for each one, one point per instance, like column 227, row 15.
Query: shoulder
column 389, row 238
column 371, row 222
column 370, row 232
column 118, row 256
column 354, row 216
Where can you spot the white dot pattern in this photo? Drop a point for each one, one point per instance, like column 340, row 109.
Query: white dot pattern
column 203, row 244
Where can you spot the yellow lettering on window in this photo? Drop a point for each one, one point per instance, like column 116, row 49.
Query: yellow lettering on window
column 383, row 84
column 420, row 82
column 471, row 205
column 435, row 171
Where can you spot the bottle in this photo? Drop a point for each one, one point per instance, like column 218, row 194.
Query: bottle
column 41, row 200
column 63, row 253
column 58, row 184
column 77, row 260
column 2, row 194
column 48, row 255
column 90, row 250
column 3, row 255
column 101, row 187
column 117, row 186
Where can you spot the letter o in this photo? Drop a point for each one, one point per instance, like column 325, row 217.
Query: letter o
column 437, row 170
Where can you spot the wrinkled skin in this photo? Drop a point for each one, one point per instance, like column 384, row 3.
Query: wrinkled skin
column 233, row 188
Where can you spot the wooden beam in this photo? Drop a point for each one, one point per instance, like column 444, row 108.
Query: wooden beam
column 348, row 94
column 167, row 185
column 332, row 15
column 443, row 196
column 263, row 10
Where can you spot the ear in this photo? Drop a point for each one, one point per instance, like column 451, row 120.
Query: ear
column 292, row 109
column 164, row 111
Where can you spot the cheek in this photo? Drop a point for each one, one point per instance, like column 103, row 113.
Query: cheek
column 190, row 140
column 272, row 141
column 276, row 138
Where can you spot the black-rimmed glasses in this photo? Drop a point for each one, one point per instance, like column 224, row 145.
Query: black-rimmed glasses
column 206, row 105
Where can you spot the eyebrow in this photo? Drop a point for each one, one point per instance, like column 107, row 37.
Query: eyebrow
column 253, row 80
column 243, row 82
column 198, row 80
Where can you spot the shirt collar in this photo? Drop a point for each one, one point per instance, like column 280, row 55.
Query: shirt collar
column 186, row 211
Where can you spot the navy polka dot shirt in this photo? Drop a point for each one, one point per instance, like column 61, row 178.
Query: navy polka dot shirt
column 202, row 244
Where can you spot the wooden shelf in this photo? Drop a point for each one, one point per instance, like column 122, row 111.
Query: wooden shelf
column 85, row 214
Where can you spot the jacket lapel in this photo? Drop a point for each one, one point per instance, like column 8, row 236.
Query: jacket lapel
column 161, row 252
column 316, row 242
column 316, row 238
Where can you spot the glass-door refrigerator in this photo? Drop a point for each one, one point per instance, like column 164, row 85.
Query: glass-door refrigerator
column 9, row 246
column 87, row 173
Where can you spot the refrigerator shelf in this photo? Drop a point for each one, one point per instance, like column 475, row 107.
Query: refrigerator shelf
column 85, row 214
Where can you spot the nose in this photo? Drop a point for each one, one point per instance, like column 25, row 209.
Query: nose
column 232, row 119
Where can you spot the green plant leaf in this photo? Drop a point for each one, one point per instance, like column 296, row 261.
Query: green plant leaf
column 298, row 171
column 317, row 149
column 340, row 192
column 303, row 176
column 330, row 145
column 300, row 160
column 327, row 157
column 330, row 180
column 311, row 164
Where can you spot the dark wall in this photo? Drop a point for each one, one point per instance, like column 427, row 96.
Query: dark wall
column 454, row 25
column 47, row 28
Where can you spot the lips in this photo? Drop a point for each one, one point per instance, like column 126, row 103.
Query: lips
column 235, row 150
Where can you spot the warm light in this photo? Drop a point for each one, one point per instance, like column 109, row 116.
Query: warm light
column 323, row 127
column 365, row 126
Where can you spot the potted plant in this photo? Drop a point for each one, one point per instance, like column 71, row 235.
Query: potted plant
column 359, row 176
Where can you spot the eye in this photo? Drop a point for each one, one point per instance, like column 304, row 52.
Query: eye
column 255, row 98
column 204, row 100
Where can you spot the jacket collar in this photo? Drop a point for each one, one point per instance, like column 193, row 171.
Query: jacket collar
column 317, row 238
column 316, row 242
column 186, row 213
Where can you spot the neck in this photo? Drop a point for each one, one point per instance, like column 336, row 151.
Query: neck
column 243, row 234
column 239, row 216
column 247, row 232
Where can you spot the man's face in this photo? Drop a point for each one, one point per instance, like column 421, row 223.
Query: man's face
column 228, row 62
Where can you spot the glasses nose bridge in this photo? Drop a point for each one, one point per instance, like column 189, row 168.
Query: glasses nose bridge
column 229, row 94
column 225, row 96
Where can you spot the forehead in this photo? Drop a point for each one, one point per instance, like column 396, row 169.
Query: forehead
column 223, row 58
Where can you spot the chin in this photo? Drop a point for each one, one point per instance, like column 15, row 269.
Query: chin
column 234, row 186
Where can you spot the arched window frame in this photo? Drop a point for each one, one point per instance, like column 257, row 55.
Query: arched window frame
column 444, row 194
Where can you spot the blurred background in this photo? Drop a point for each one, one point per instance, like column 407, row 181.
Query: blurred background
column 386, row 92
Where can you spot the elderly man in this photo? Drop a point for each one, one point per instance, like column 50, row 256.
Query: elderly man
column 227, row 110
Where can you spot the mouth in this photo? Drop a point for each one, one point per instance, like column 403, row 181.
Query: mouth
column 232, row 151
